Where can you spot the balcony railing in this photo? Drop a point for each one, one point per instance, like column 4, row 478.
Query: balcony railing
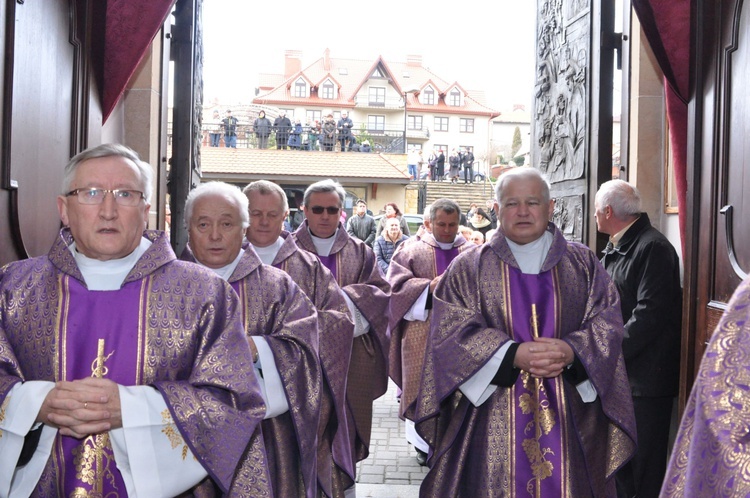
column 388, row 140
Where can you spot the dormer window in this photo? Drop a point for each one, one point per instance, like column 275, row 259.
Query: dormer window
column 428, row 96
column 454, row 98
column 327, row 90
column 300, row 88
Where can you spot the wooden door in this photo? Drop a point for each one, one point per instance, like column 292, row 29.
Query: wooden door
column 572, row 116
column 717, row 238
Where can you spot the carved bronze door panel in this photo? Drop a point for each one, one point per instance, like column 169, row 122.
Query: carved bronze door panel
column 572, row 117
column 718, row 241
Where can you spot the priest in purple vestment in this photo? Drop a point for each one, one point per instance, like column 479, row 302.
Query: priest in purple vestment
column 268, row 209
column 524, row 390
column 711, row 455
column 123, row 371
column 353, row 265
column 282, row 328
column 414, row 272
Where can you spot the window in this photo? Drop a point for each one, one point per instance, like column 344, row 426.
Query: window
column 441, row 124
column 414, row 122
column 377, row 96
column 312, row 116
column 300, row 88
column 411, row 147
column 327, row 90
column 439, row 147
column 428, row 97
column 454, row 98
column 375, row 123
column 466, row 125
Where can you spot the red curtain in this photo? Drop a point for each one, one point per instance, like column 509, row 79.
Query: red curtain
column 129, row 29
column 666, row 24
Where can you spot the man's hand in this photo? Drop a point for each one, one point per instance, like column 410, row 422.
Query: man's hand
column 544, row 357
column 82, row 407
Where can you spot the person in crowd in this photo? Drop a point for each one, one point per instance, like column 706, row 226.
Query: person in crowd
column 420, row 164
column 282, row 126
column 392, row 211
column 467, row 163
column 491, row 211
column 313, row 132
column 432, row 164
column 711, row 448
column 214, row 129
column 268, row 206
column 388, row 242
column 229, row 125
column 477, row 237
column 328, row 133
column 299, row 216
column 367, row 293
column 366, row 147
column 480, row 221
column 646, row 270
column 90, row 404
column 524, row 389
column 281, row 324
column 344, row 129
column 465, row 231
column 414, row 272
column 454, row 162
column 412, row 160
column 362, row 226
column 440, row 166
column 472, row 210
column 262, row 127
column 353, row 144
column 295, row 136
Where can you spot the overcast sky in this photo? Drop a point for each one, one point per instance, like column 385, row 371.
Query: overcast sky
column 483, row 48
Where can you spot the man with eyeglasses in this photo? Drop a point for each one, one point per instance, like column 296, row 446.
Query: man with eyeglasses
column 108, row 354
column 282, row 330
column 353, row 265
column 268, row 207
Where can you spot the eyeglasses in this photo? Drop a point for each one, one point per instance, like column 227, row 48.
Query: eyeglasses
column 332, row 210
column 94, row 196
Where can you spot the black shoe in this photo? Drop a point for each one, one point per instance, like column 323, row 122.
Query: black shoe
column 421, row 458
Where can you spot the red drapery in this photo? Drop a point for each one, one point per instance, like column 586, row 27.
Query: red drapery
column 666, row 24
column 130, row 27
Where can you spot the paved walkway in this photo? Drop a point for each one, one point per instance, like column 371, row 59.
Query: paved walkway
column 391, row 470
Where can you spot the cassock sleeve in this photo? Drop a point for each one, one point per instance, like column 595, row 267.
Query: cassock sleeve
column 361, row 325
column 269, row 379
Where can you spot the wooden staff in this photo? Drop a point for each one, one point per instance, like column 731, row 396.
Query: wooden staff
column 537, row 392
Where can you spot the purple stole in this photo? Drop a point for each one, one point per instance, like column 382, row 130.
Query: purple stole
column 539, row 420
column 330, row 263
column 443, row 258
column 103, row 338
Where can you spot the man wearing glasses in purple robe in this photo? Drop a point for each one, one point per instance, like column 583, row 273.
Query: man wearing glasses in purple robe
column 353, row 265
column 109, row 349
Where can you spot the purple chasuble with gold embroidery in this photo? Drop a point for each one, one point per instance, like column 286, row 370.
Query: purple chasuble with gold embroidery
column 353, row 264
column 529, row 430
column 167, row 327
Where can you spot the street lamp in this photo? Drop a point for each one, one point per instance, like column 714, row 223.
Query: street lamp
column 406, row 93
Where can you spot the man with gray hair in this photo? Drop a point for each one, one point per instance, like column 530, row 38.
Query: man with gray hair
column 353, row 265
column 414, row 272
column 108, row 378
column 268, row 208
column 524, row 389
column 282, row 329
column 646, row 270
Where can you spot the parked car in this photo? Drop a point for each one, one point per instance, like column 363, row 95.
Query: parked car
column 413, row 220
column 478, row 176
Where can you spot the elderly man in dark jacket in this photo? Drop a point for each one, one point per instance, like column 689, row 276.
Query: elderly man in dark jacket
column 646, row 270
column 362, row 225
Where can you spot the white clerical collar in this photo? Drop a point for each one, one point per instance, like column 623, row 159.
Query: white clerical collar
column 107, row 275
column 531, row 256
column 323, row 246
column 226, row 271
column 268, row 254
column 445, row 246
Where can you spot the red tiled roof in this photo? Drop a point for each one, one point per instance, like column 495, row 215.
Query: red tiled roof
column 402, row 75
column 232, row 165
